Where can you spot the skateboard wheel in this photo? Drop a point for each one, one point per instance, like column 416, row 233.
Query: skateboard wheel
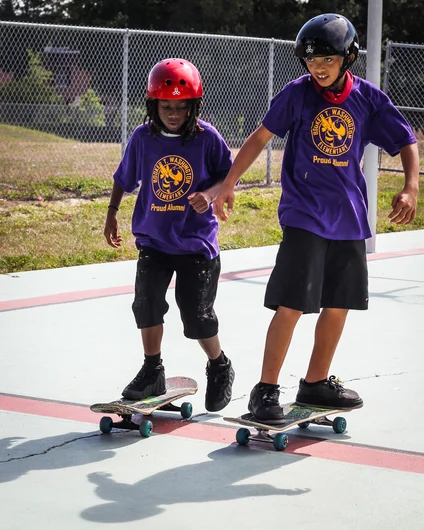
column 304, row 425
column 186, row 410
column 281, row 441
column 105, row 424
column 145, row 428
column 339, row 425
column 243, row 436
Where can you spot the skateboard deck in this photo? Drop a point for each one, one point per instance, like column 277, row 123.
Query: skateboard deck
column 176, row 388
column 293, row 415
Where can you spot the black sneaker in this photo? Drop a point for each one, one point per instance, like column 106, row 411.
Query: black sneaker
column 329, row 393
column 219, row 388
column 150, row 381
column 264, row 403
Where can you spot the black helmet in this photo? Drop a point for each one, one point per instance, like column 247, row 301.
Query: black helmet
column 328, row 34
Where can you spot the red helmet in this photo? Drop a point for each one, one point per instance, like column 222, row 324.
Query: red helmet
column 174, row 79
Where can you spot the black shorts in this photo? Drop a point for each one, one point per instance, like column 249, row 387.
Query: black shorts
column 312, row 272
column 195, row 291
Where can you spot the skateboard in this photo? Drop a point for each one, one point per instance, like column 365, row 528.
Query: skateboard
column 176, row 388
column 293, row 415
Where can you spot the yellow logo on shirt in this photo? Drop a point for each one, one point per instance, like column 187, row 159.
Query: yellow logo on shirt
column 172, row 178
column 332, row 131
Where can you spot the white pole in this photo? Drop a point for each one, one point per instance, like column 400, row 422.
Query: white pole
column 270, row 94
column 124, row 119
column 374, row 36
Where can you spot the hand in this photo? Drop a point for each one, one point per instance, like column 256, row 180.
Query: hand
column 225, row 196
column 111, row 230
column 200, row 201
column 404, row 206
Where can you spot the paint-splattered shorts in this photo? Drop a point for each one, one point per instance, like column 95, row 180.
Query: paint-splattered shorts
column 196, row 282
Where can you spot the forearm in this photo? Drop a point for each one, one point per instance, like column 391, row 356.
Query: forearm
column 116, row 195
column 411, row 166
column 249, row 152
column 214, row 190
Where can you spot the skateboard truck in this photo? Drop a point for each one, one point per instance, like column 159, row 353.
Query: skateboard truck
column 145, row 428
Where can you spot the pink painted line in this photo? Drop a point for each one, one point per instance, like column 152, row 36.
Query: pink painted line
column 50, row 409
column 395, row 254
column 366, row 456
column 62, row 298
column 316, row 448
column 78, row 296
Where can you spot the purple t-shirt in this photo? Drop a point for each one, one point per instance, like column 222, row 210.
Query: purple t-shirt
column 168, row 172
column 324, row 189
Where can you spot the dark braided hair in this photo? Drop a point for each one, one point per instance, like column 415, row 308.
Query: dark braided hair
column 191, row 125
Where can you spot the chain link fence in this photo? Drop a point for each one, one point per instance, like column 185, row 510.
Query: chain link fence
column 88, row 84
column 403, row 82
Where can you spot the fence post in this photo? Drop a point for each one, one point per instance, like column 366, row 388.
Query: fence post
column 385, row 87
column 375, row 18
column 270, row 94
column 124, row 118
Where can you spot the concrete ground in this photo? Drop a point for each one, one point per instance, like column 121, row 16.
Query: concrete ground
column 68, row 340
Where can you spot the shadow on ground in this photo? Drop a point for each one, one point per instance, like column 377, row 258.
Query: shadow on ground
column 215, row 479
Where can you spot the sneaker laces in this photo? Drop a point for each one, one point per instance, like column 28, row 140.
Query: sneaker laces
column 335, row 383
column 270, row 396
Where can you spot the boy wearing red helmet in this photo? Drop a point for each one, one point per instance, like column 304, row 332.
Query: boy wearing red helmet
column 330, row 116
column 179, row 162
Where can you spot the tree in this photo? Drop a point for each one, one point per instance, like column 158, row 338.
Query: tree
column 34, row 87
column 33, row 10
column 7, row 10
column 89, row 110
column 279, row 19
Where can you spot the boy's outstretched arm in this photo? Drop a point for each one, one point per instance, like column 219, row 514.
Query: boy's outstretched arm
column 404, row 203
column 249, row 152
column 200, row 200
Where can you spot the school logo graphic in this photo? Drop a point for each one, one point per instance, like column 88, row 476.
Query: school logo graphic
column 172, row 178
column 333, row 131
column 309, row 49
column 176, row 92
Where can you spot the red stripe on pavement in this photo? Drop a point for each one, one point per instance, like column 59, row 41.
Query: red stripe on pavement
column 366, row 456
column 62, row 298
column 50, row 409
column 395, row 254
column 78, row 296
column 317, row 448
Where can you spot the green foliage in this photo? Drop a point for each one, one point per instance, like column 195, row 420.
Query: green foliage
column 34, row 87
column 89, row 110
column 136, row 115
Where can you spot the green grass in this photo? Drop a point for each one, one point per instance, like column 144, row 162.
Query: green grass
column 54, row 197
column 36, row 165
column 389, row 184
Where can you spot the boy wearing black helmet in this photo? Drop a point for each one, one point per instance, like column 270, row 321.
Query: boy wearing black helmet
column 178, row 161
column 330, row 116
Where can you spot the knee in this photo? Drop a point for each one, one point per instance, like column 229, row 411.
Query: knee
column 289, row 315
column 201, row 326
column 335, row 313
